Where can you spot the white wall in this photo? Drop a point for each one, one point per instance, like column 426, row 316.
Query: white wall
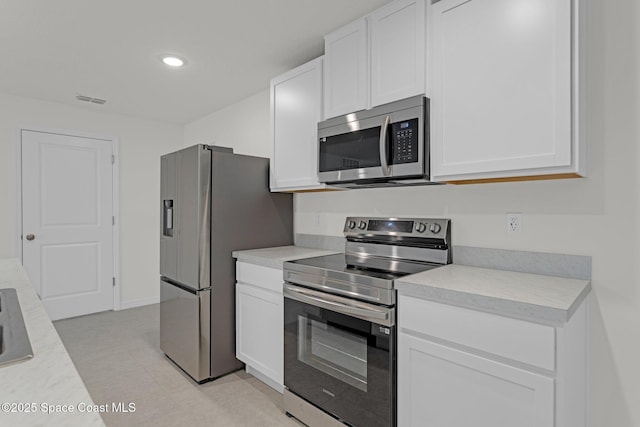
column 598, row 216
column 243, row 126
column 141, row 143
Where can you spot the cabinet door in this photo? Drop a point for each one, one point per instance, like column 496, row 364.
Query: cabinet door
column 259, row 330
column 442, row 386
column 397, row 51
column 296, row 109
column 501, row 85
column 346, row 72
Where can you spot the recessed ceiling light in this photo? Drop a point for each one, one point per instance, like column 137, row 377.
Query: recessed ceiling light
column 173, row 61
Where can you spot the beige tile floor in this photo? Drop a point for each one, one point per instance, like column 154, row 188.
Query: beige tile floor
column 118, row 357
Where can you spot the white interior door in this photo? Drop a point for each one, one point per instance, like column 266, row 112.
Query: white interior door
column 67, row 221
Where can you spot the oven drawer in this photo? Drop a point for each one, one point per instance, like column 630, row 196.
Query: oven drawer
column 525, row 342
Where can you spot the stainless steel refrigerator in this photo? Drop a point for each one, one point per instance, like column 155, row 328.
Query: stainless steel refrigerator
column 212, row 203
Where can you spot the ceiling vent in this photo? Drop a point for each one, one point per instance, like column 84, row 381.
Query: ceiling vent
column 90, row 99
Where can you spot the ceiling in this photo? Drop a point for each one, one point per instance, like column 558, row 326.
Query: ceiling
column 55, row 50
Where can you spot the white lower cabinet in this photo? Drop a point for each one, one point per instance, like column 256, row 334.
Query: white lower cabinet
column 454, row 371
column 259, row 322
column 442, row 386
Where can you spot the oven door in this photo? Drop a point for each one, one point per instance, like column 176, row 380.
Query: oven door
column 340, row 355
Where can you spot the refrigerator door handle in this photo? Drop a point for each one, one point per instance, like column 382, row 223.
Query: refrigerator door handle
column 167, row 218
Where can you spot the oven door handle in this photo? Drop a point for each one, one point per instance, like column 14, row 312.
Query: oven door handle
column 382, row 316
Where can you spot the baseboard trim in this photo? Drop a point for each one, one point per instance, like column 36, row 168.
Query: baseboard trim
column 139, row 302
column 265, row 379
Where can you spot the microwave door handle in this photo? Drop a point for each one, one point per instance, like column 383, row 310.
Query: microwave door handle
column 384, row 161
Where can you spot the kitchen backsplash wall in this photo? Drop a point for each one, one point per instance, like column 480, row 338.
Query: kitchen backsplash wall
column 553, row 212
column 550, row 264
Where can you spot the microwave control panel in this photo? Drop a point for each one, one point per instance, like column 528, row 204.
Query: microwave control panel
column 404, row 142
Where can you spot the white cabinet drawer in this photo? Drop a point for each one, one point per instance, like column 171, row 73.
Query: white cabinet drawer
column 514, row 339
column 262, row 277
column 442, row 386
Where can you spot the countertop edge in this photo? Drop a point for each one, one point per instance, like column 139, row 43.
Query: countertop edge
column 276, row 257
column 50, row 376
column 506, row 307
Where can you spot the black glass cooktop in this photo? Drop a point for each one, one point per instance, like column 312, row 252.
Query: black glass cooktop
column 377, row 267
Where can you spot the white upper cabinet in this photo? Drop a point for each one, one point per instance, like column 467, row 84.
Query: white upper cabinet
column 296, row 109
column 505, row 81
column 346, row 75
column 377, row 59
column 397, row 51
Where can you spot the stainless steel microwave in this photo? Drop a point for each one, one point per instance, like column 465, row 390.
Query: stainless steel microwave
column 387, row 145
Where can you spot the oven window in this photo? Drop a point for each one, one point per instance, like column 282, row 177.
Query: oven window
column 336, row 352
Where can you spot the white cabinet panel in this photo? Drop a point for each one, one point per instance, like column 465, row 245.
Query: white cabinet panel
column 377, row 59
column 525, row 342
column 260, row 322
column 441, row 386
column 346, row 75
column 296, row 109
column 501, row 82
column 270, row 279
column 461, row 367
column 397, row 51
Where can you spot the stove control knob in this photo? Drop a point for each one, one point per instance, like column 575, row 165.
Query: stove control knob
column 362, row 225
column 421, row 227
column 435, row 228
column 351, row 225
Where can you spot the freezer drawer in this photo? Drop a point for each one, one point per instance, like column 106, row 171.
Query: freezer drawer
column 185, row 335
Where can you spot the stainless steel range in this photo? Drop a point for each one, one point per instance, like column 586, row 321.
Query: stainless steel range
column 340, row 320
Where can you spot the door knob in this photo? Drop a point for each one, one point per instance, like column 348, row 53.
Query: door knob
column 30, row 237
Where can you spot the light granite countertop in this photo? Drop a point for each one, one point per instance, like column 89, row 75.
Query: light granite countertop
column 535, row 297
column 275, row 257
column 41, row 389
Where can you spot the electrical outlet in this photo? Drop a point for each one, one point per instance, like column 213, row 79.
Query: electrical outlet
column 514, row 223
